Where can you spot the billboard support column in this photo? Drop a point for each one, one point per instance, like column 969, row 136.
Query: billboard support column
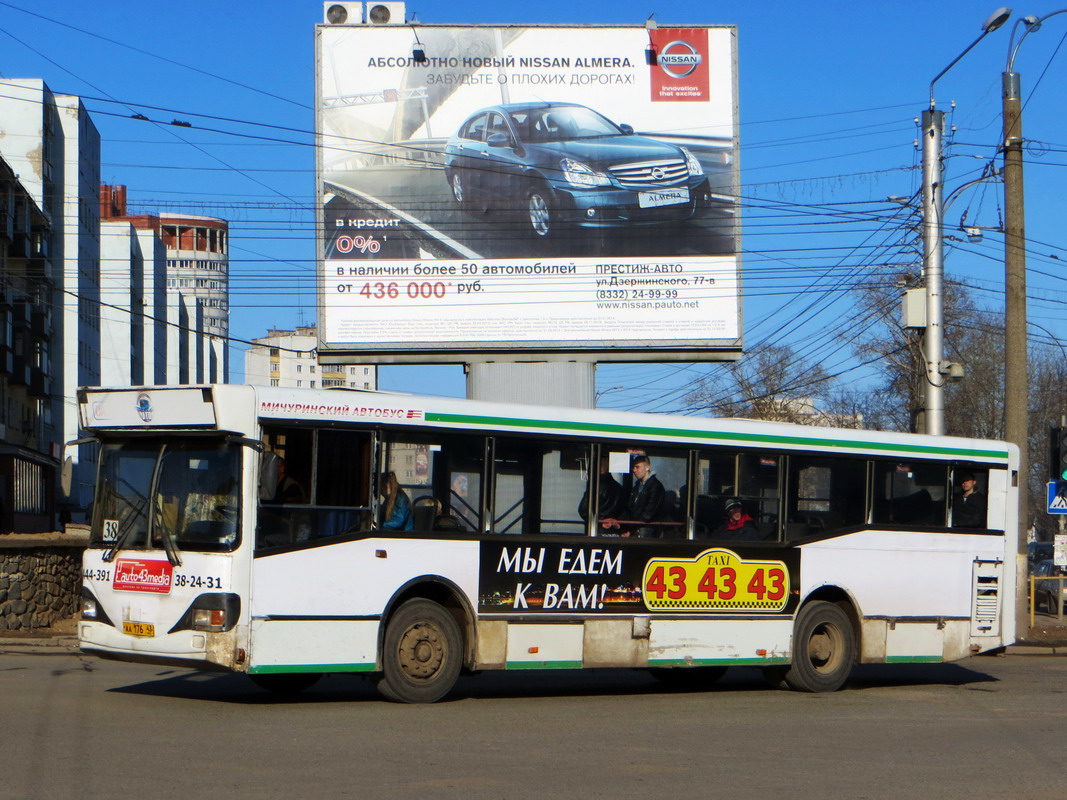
column 543, row 383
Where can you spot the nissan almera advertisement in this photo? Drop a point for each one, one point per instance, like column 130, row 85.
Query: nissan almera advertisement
column 528, row 189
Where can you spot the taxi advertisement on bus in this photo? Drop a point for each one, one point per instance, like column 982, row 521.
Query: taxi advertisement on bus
column 618, row 577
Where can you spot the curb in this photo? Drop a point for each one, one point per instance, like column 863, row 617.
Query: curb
column 66, row 643
column 1025, row 649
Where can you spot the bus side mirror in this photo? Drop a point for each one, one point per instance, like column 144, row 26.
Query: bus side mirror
column 66, row 475
column 66, row 472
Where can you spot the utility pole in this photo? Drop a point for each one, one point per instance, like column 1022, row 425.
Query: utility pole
column 1016, row 403
column 933, row 124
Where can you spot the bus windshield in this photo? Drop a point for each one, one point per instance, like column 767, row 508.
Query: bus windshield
column 153, row 490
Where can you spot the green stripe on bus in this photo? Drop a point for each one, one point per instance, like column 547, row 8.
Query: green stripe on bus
column 278, row 669
column 717, row 662
column 544, row 665
column 721, row 436
column 914, row 659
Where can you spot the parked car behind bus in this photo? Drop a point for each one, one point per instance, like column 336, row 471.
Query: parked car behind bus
column 1049, row 592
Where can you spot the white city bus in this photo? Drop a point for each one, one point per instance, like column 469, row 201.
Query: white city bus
column 851, row 548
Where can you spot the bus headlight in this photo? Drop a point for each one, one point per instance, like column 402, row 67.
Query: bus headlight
column 89, row 610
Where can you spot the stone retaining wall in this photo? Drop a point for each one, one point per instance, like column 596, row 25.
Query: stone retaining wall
column 40, row 580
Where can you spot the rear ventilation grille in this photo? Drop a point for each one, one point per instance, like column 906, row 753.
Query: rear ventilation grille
column 985, row 598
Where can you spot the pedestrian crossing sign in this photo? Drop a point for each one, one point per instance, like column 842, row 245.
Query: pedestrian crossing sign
column 1057, row 497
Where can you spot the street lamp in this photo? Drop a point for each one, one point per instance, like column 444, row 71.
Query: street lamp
column 933, row 124
column 1015, row 356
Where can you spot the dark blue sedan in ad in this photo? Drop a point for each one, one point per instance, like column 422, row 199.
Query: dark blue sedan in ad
column 563, row 165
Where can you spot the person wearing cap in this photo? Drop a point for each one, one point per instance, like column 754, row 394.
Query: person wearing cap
column 968, row 504
column 737, row 524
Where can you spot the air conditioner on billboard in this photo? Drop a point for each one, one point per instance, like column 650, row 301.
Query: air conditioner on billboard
column 342, row 13
column 385, row 13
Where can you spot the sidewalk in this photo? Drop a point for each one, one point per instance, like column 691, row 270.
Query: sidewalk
column 61, row 637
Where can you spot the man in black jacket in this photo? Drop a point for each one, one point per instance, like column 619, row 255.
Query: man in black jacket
column 968, row 504
column 646, row 497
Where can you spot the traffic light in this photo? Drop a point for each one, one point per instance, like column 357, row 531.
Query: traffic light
column 1057, row 464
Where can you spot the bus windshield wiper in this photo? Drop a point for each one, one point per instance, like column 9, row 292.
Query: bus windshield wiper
column 165, row 533
column 122, row 539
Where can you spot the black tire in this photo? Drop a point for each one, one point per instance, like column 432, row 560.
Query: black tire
column 422, row 653
column 288, row 683
column 824, row 649
column 540, row 215
column 687, row 677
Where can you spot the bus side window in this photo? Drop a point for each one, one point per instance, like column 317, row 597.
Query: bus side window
column 910, row 493
column 414, row 463
column 825, row 495
column 294, row 507
column 343, row 481
column 538, row 486
column 716, row 479
column 462, row 490
column 757, row 479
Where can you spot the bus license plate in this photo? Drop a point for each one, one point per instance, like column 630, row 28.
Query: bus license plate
column 139, row 628
column 667, row 197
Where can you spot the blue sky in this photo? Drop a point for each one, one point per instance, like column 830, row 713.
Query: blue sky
column 828, row 95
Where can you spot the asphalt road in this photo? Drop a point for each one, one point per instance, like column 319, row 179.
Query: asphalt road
column 78, row 727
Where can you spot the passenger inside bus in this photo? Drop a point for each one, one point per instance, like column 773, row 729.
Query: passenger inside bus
column 609, row 495
column 737, row 523
column 968, row 503
column 396, row 506
column 288, row 489
column 646, row 511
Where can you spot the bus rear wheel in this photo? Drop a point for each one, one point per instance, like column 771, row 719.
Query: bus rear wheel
column 824, row 649
column 422, row 653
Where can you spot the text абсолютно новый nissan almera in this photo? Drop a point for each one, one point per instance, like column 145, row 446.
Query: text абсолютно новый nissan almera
column 563, row 164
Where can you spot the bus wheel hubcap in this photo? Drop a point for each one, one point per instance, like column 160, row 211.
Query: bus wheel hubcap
column 422, row 651
column 824, row 647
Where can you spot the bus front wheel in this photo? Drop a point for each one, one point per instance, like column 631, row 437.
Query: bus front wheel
column 824, row 649
column 422, row 653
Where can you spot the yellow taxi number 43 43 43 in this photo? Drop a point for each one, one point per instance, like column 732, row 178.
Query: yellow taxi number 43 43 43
column 715, row 580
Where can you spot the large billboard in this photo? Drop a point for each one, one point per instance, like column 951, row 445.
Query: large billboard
column 535, row 191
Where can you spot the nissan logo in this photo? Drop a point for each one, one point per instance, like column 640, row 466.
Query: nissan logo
column 679, row 59
column 658, row 173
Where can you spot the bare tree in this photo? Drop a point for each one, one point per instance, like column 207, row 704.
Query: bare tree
column 769, row 383
column 974, row 406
